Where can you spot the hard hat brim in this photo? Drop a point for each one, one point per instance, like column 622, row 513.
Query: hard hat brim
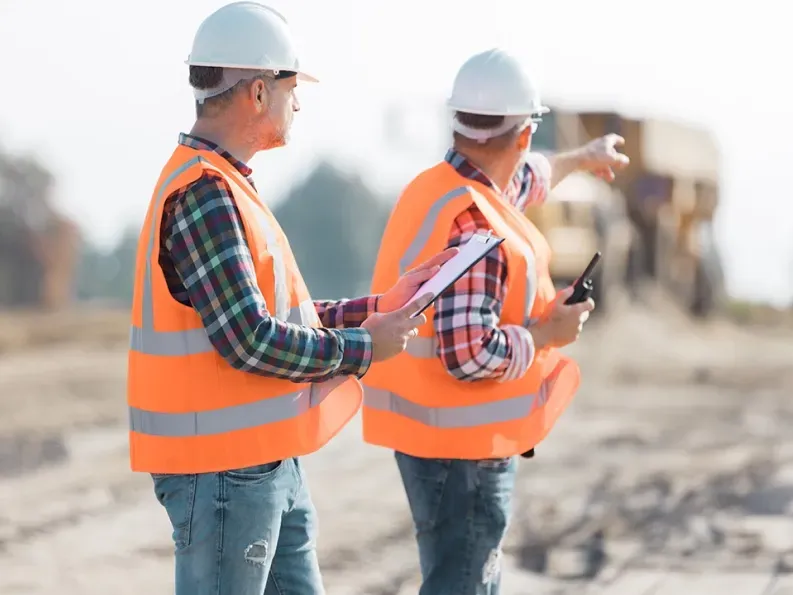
column 307, row 78
column 537, row 111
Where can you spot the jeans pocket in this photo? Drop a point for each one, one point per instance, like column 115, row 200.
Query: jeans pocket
column 495, row 487
column 421, row 467
column 495, row 464
column 176, row 493
column 424, row 481
column 256, row 473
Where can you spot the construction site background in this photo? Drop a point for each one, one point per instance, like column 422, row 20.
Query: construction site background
column 672, row 473
column 663, row 204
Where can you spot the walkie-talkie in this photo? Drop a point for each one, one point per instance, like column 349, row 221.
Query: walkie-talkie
column 583, row 286
column 582, row 291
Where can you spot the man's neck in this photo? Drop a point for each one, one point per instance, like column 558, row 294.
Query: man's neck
column 223, row 135
column 494, row 167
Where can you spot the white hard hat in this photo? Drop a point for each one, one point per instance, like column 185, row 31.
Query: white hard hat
column 246, row 35
column 495, row 83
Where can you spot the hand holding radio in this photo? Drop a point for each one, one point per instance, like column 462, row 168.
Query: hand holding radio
column 570, row 312
column 565, row 322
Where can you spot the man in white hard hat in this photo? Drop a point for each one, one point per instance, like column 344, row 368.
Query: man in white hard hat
column 484, row 380
column 234, row 371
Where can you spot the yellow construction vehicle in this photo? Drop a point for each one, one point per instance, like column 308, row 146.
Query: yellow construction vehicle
column 671, row 188
column 582, row 215
column 668, row 193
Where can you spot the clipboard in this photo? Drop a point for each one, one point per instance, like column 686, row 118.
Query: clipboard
column 474, row 250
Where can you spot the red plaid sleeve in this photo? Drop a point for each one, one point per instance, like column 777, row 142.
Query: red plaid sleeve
column 531, row 182
column 472, row 344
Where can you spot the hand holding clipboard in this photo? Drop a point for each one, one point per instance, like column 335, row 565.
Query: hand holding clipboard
column 399, row 309
column 470, row 253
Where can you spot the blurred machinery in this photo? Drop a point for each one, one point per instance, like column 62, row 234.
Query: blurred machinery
column 38, row 246
column 654, row 223
column 585, row 214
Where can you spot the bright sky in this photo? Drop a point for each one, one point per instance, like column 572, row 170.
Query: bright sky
column 101, row 94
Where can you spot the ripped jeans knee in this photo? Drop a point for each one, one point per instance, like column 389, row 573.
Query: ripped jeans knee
column 256, row 553
column 492, row 569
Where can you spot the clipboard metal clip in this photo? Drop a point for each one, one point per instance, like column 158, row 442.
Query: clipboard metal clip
column 484, row 238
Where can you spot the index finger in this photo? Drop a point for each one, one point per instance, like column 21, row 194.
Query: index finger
column 586, row 306
column 439, row 259
column 622, row 160
column 413, row 307
column 416, row 321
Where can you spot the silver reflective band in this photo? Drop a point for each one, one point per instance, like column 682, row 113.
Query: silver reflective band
column 281, row 306
column 305, row 313
column 195, row 341
column 427, row 227
column 467, row 416
column 230, row 419
column 173, row 343
column 145, row 339
column 530, row 287
column 421, row 238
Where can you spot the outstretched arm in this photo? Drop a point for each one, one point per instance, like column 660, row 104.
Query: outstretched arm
column 599, row 157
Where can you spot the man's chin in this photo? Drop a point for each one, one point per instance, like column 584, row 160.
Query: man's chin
column 275, row 143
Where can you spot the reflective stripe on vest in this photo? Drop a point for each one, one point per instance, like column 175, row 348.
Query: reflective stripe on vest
column 145, row 339
column 467, row 416
column 230, row 419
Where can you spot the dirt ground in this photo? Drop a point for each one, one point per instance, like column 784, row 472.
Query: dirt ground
column 672, row 474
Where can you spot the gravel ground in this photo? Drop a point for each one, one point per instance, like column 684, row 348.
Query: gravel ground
column 671, row 474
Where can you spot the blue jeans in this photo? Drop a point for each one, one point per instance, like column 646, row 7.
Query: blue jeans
column 245, row 532
column 461, row 510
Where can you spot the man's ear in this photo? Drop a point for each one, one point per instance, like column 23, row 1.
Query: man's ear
column 258, row 94
column 524, row 138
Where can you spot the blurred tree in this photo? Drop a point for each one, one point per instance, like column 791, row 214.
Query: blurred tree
column 26, row 216
column 334, row 224
column 107, row 275
column 20, row 272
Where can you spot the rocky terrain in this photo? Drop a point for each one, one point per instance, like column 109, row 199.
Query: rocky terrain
column 672, row 474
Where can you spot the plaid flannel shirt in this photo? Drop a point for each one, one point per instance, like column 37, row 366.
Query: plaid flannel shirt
column 472, row 344
column 207, row 264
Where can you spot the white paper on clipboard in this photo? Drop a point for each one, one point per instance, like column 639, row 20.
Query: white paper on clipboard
column 470, row 253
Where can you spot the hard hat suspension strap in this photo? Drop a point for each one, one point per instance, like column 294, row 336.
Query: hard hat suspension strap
column 484, row 134
column 231, row 76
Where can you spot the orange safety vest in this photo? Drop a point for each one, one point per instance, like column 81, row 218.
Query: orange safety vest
column 190, row 411
column 411, row 402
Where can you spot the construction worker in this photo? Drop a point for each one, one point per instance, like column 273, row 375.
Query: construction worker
column 233, row 370
column 484, row 381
